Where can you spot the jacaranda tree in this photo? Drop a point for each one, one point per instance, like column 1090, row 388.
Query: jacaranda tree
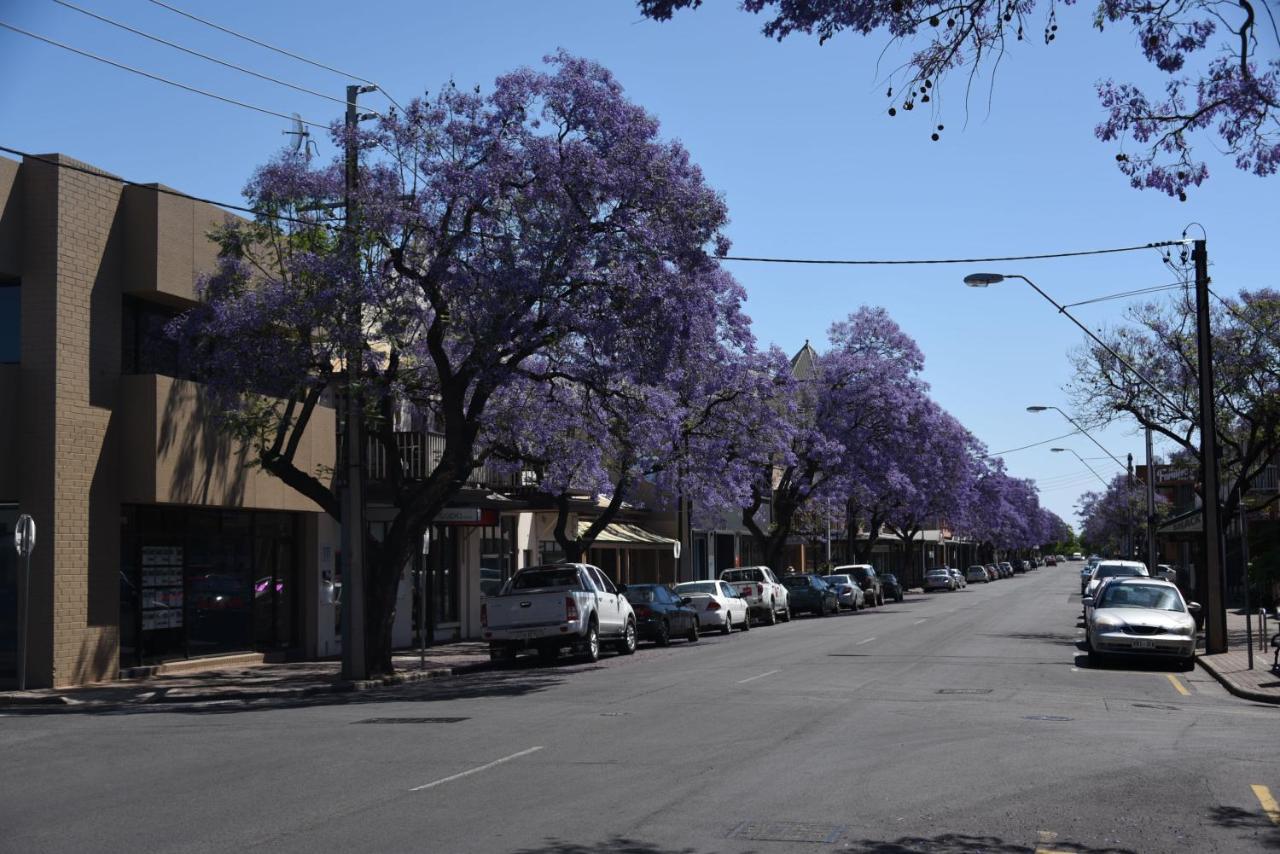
column 1222, row 60
column 544, row 222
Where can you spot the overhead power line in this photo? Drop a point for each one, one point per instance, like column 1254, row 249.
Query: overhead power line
column 889, row 262
column 203, row 56
column 1124, row 294
column 279, row 50
column 159, row 78
column 1034, row 444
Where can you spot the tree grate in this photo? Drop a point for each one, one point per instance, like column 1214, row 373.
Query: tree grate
column 788, row 831
column 411, row 720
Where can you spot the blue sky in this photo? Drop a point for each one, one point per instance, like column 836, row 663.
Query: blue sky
column 795, row 135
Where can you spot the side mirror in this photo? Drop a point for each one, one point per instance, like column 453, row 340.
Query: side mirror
column 1088, row 601
column 1193, row 607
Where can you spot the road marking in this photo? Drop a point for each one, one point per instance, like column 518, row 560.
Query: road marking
column 757, row 676
column 1269, row 805
column 861, row 642
column 475, row 770
column 1182, row 689
column 918, row 622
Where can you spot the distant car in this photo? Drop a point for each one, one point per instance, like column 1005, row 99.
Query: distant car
column 868, row 580
column 891, row 586
column 1050, row 561
column 661, row 614
column 1110, row 568
column 1142, row 616
column 978, row 574
column 808, row 592
column 961, row 583
column 1006, row 569
column 1077, row 556
column 848, row 592
column 938, row 579
column 992, row 572
column 1021, row 566
column 717, row 604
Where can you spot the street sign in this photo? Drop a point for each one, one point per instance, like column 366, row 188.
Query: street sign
column 24, row 535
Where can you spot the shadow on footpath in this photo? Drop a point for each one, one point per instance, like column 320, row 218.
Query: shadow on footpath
column 1262, row 830
column 517, row 681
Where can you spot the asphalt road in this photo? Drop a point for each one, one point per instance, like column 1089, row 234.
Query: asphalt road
column 952, row 722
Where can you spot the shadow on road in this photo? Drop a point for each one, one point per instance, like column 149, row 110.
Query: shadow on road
column 1047, row 637
column 1260, row 827
column 964, row 843
column 613, row 845
column 1129, row 664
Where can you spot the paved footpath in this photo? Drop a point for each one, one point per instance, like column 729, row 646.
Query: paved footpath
column 1261, row 682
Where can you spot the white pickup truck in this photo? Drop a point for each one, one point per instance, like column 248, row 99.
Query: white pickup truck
column 548, row 608
column 766, row 598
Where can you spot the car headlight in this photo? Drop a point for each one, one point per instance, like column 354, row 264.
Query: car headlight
column 1184, row 630
column 1110, row 624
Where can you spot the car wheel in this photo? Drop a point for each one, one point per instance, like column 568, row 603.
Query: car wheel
column 501, row 652
column 1188, row 663
column 746, row 622
column 786, row 614
column 728, row 624
column 880, row 598
column 591, row 646
column 773, row 615
column 899, row 597
column 692, row 637
column 664, row 634
column 627, row 646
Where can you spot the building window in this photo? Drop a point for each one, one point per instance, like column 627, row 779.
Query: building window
column 147, row 349
column 10, row 322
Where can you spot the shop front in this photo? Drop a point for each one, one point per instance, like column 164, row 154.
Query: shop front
column 197, row 582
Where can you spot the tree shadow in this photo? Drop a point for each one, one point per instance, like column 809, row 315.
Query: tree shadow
column 965, row 843
column 613, row 845
column 1260, row 827
column 1047, row 637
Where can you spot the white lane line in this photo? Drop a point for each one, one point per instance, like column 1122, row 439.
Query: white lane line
column 475, row 770
column 757, row 676
column 861, row 642
column 918, row 622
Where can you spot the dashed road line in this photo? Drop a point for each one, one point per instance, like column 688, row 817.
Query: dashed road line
column 918, row 622
column 865, row 640
column 1269, row 805
column 475, row 770
column 757, row 676
column 1177, row 683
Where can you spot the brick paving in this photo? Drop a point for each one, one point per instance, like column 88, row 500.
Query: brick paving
column 282, row 681
column 1231, row 668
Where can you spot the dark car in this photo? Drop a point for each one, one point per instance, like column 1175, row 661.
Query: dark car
column 865, row 575
column 891, row 586
column 810, row 593
column 661, row 614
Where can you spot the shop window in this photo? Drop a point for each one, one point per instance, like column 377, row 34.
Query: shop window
column 10, row 322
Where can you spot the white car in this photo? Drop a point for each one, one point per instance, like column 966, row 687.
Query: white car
column 717, row 604
column 1141, row 616
column 848, row 591
column 761, row 590
column 1113, row 569
column 939, row 579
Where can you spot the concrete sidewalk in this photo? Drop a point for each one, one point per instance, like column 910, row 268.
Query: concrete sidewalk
column 1231, row 668
column 286, row 681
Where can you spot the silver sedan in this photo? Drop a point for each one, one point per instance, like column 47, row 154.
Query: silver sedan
column 1141, row 616
column 848, row 592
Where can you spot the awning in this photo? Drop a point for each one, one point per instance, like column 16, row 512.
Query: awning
column 627, row 536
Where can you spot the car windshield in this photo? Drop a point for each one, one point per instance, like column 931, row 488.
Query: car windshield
column 795, row 581
column 742, row 575
column 1142, row 596
column 837, row 579
column 531, row 579
column 640, row 595
column 697, row 587
column 1120, row 571
column 863, row 573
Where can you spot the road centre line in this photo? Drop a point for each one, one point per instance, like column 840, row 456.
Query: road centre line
column 758, row 676
column 864, row 640
column 475, row 770
column 918, row 622
column 1269, row 805
column 1182, row 689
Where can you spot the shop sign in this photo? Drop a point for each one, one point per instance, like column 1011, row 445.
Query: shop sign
column 465, row 516
column 1176, row 474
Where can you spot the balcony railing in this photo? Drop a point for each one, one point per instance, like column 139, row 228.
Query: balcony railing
column 420, row 453
column 1268, row 480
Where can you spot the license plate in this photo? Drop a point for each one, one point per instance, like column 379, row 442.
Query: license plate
column 1144, row 644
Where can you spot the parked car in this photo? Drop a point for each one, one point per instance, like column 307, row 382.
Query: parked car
column 1051, row 561
column 1109, row 568
column 662, row 614
column 892, row 587
column 865, row 575
column 1077, row 556
column 993, row 572
column 717, row 604
column 548, row 608
column 1020, row 566
column 808, row 592
column 759, row 588
column 938, row 579
column 848, row 591
column 1142, row 616
column 958, row 576
column 1006, row 569
column 977, row 573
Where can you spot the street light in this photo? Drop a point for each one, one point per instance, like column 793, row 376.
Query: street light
column 1087, row 434
column 1086, row 465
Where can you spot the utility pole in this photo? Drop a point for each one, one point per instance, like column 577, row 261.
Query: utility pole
column 1131, row 545
column 354, row 664
column 1153, row 556
column 1215, row 607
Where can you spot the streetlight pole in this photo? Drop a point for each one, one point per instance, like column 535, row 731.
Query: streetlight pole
column 1153, row 557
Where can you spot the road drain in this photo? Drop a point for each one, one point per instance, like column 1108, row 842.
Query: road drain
column 411, row 720
column 964, row 691
column 1047, row 718
column 788, row 831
